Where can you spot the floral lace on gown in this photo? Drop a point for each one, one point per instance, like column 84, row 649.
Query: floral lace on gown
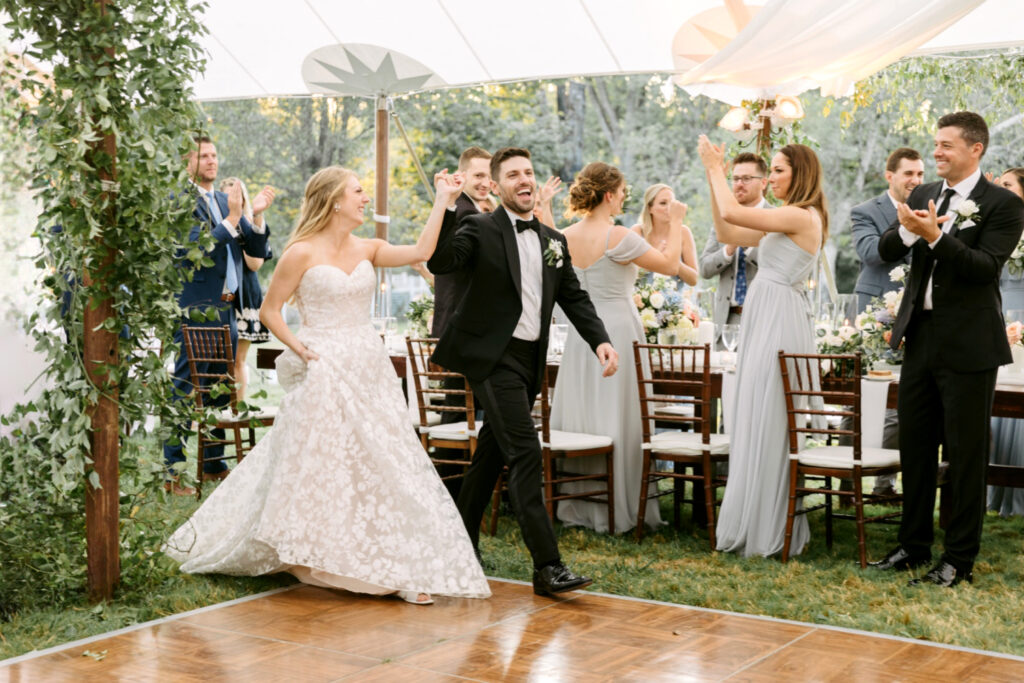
column 339, row 492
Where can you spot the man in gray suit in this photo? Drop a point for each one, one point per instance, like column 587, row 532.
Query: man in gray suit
column 904, row 170
column 735, row 266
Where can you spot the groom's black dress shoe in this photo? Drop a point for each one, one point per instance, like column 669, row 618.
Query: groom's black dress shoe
column 944, row 574
column 900, row 559
column 556, row 578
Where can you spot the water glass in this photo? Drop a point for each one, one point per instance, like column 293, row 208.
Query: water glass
column 730, row 336
column 559, row 333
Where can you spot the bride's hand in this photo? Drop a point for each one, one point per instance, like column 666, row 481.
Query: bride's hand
column 448, row 187
column 711, row 156
column 308, row 354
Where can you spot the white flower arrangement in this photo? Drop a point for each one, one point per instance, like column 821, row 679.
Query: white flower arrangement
column 1015, row 264
column 554, row 255
column 662, row 307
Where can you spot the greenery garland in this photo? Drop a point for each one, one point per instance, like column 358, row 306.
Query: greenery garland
column 120, row 70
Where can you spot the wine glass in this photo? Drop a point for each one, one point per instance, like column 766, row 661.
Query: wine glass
column 559, row 333
column 730, row 336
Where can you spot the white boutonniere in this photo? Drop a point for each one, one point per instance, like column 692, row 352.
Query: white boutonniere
column 554, row 255
column 969, row 212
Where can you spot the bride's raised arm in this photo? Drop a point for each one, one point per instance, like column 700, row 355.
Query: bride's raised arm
column 385, row 255
column 293, row 263
column 738, row 224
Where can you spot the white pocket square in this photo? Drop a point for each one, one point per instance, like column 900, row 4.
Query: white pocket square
column 967, row 224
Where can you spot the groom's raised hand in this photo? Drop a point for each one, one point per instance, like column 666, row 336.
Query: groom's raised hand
column 609, row 358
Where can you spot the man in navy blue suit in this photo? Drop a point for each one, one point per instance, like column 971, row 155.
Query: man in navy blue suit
column 214, row 286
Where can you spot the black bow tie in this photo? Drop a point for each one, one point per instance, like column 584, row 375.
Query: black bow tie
column 532, row 224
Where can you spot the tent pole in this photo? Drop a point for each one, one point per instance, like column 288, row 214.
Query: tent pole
column 99, row 349
column 382, row 297
column 412, row 152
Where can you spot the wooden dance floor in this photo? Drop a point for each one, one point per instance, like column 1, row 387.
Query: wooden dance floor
column 309, row 634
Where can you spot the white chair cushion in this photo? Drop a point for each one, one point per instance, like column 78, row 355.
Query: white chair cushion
column 432, row 418
column 842, row 456
column 260, row 414
column 675, row 410
column 456, row 431
column 687, row 443
column 573, row 441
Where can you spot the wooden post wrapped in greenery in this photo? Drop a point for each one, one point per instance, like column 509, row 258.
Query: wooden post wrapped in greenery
column 104, row 134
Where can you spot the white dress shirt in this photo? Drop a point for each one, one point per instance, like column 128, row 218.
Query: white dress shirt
column 531, row 277
column 962, row 191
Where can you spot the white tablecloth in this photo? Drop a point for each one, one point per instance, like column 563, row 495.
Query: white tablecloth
column 873, row 395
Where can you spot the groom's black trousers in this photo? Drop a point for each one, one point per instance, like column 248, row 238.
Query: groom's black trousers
column 509, row 437
column 938, row 405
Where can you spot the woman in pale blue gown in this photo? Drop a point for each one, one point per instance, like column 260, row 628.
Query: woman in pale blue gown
column 606, row 259
column 1008, row 432
column 776, row 316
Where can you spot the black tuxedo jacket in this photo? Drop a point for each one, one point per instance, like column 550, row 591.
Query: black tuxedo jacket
column 966, row 304
column 449, row 288
column 485, row 248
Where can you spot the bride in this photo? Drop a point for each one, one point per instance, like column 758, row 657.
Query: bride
column 340, row 492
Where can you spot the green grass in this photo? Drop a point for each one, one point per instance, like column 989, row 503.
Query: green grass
column 820, row 586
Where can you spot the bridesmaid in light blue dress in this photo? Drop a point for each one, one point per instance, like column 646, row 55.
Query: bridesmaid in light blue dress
column 1008, row 432
column 776, row 316
column 606, row 259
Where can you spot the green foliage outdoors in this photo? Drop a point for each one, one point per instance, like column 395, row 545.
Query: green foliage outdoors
column 648, row 130
column 136, row 94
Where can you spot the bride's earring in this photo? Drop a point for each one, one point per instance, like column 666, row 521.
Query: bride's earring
column 337, row 207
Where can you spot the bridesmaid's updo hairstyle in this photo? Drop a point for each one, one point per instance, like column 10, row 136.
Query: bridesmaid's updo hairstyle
column 805, row 186
column 591, row 184
column 326, row 187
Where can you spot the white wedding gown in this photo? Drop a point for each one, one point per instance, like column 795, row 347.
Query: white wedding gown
column 340, row 492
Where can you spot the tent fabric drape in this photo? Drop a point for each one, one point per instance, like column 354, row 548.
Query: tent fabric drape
column 796, row 45
column 257, row 47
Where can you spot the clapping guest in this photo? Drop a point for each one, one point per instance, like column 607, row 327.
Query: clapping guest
column 250, row 298
column 1007, row 432
column 961, row 231
column 776, row 317
column 605, row 258
column 213, row 286
column 655, row 227
column 735, row 266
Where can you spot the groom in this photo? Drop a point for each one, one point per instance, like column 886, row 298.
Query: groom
column 517, row 269
column 960, row 231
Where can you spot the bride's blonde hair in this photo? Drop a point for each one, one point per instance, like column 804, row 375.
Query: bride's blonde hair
column 326, row 187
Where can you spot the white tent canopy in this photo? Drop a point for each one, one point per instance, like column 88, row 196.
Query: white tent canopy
column 257, row 47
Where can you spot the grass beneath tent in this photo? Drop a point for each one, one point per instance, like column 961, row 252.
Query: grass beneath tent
column 820, row 586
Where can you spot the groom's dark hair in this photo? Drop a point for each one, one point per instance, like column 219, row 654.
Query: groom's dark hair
column 972, row 127
column 504, row 154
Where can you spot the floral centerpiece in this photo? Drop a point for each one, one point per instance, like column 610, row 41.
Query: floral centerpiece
column 421, row 315
column 663, row 307
column 875, row 323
